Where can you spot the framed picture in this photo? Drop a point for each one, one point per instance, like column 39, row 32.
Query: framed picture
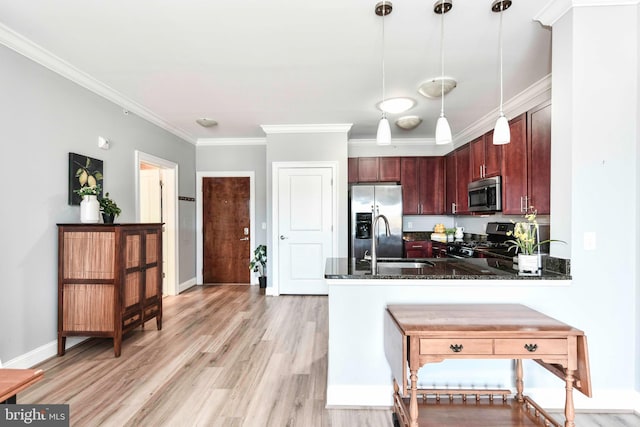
column 83, row 171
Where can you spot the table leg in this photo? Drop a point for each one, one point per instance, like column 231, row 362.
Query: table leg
column 519, row 382
column 569, row 410
column 413, row 402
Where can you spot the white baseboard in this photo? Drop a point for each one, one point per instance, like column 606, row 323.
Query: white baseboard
column 359, row 396
column 40, row 354
column 186, row 285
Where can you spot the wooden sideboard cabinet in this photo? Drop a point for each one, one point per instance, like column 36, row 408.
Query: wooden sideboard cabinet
column 109, row 280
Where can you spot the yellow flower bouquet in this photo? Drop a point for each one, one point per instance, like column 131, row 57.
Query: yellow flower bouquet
column 525, row 236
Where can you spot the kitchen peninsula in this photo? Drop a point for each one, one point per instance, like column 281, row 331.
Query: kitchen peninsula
column 358, row 372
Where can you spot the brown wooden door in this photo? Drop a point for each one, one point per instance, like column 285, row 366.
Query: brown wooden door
column 225, row 218
column 463, row 177
column 477, row 158
column 368, row 169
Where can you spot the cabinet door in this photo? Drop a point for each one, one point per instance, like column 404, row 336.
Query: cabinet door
column 409, row 181
column 353, row 170
column 389, row 169
column 450, row 182
column 463, row 177
column 431, row 185
column 539, row 158
column 476, row 160
column 367, row 169
column 514, row 168
column 492, row 156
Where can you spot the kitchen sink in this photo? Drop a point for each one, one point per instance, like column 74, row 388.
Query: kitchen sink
column 404, row 264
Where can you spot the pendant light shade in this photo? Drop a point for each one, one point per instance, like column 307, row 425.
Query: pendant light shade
column 383, row 137
column 443, row 131
column 501, row 132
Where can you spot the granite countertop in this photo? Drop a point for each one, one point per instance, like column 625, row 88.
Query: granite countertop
column 434, row 268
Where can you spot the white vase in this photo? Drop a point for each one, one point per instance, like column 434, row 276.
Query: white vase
column 89, row 209
column 528, row 264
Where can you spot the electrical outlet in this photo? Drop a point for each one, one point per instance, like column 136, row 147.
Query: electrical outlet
column 409, row 225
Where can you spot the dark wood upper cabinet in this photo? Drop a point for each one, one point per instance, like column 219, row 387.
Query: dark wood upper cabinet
column 389, row 169
column 485, row 158
column 374, row 169
column 539, row 156
column 352, row 169
column 423, row 185
column 514, row 168
column 367, row 169
column 451, row 185
column 463, row 178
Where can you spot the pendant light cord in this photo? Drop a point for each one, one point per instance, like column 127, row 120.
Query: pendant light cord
column 500, row 37
column 442, row 59
column 384, row 13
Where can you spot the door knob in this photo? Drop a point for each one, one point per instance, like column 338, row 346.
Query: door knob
column 283, row 237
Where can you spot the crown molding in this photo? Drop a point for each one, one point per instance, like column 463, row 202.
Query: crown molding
column 555, row 9
column 538, row 92
column 410, row 142
column 311, row 128
column 38, row 54
column 217, row 142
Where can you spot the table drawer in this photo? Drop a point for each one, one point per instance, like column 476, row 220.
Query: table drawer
column 455, row 346
column 531, row 346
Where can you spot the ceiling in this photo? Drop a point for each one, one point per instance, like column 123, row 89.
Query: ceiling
column 247, row 63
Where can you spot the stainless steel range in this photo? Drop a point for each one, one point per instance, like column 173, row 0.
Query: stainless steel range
column 494, row 246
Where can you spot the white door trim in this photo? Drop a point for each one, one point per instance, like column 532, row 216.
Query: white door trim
column 142, row 157
column 252, row 215
column 274, row 289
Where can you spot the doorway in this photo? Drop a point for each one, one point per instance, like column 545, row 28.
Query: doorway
column 156, row 201
column 304, row 234
column 225, row 216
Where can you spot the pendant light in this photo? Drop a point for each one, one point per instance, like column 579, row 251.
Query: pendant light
column 443, row 130
column 501, row 132
column 383, row 136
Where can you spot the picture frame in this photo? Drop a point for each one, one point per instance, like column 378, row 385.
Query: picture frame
column 83, row 171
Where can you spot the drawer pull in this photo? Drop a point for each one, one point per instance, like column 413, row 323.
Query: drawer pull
column 531, row 347
column 456, row 348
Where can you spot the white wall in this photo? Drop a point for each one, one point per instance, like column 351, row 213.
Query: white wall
column 44, row 117
column 594, row 173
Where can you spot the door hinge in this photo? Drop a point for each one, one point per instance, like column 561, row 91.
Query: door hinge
column 164, row 275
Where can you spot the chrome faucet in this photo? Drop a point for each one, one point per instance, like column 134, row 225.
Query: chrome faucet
column 374, row 237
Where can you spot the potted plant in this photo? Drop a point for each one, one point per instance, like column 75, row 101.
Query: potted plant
column 259, row 263
column 89, row 206
column 527, row 245
column 109, row 209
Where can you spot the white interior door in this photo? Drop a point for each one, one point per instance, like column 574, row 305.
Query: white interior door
column 305, row 228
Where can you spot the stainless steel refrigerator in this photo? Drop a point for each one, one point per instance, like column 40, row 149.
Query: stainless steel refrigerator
column 382, row 200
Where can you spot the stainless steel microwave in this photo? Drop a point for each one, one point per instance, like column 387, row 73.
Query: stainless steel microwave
column 485, row 195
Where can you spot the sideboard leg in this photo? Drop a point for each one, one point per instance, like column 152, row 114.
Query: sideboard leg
column 519, row 381
column 569, row 410
column 413, row 403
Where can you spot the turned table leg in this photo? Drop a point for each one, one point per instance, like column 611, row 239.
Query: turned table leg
column 519, row 382
column 569, row 410
column 413, row 402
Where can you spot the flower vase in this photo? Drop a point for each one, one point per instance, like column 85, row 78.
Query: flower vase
column 89, row 209
column 528, row 265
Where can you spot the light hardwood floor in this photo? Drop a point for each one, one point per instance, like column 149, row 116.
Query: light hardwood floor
column 226, row 356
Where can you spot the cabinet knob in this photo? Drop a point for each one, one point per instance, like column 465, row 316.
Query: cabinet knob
column 456, row 348
column 531, row 347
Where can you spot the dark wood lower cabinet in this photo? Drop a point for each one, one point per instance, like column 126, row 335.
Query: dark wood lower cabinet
column 418, row 249
column 109, row 280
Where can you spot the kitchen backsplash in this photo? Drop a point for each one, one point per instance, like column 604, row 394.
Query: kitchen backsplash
column 472, row 224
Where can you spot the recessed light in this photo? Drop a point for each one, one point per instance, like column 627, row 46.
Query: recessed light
column 207, row 123
column 433, row 88
column 396, row 105
column 408, row 122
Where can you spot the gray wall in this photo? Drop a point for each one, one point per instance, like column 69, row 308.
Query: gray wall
column 44, row 117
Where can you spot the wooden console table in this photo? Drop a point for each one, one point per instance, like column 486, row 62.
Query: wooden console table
column 13, row 381
column 428, row 333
